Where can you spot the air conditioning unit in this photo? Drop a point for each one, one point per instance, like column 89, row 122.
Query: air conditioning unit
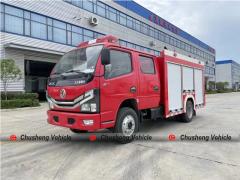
column 152, row 43
column 93, row 21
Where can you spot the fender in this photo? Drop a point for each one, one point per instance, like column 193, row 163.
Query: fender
column 115, row 117
column 188, row 96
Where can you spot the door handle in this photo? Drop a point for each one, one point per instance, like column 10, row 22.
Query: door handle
column 105, row 84
column 155, row 88
column 133, row 89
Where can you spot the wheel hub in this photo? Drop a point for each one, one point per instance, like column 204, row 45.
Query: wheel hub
column 128, row 125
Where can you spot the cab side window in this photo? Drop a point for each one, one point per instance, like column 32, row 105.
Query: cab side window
column 120, row 64
column 146, row 65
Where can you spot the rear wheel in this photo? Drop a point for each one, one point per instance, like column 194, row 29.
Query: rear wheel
column 127, row 124
column 78, row 131
column 188, row 115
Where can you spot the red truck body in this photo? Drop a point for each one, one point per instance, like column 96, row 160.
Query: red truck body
column 152, row 86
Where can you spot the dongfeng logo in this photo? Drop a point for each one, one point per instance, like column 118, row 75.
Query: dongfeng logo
column 62, row 93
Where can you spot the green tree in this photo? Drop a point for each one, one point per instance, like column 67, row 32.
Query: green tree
column 211, row 85
column 220, row 85
column 226, row 84
column 9, row 73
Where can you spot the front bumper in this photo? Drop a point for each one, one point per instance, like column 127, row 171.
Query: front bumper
column 73, row 120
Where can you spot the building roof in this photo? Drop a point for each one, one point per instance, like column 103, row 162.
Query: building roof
column 227, row 62
column 144, row 12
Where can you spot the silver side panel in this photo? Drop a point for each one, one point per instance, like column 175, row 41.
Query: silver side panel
column 198, row 81
column 187, row 78
column 174, row 86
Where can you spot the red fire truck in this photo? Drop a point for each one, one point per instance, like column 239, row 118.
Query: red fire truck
column 102, row 85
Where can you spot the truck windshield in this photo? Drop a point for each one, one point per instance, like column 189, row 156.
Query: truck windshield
column 80, row 60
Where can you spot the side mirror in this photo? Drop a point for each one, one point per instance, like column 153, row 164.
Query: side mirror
column 105, row 55
column 108, row 68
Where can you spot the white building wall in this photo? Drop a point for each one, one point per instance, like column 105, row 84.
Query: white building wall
column 224, row 73
column 235, row 73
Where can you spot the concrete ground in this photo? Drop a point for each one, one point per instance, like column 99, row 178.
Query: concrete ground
column 137, row 160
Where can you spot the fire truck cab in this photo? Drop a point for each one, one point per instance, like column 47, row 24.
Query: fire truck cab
column 102, row 85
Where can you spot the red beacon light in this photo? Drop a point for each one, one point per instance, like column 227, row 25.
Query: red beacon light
column 108, row 38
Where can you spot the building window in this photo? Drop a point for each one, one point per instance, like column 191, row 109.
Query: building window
column 2, row 22
column 76, row 2
column 172, row 41
column 59, row 35
column 156, row 34
column 112, row 14
column 88, row 5
column 144, row 29
column 59, row 32
column 50, row 31
column 27, row 28
column 49, row 22
column 129, row 22
column 69, row 27
column 156, row 53
column 76, row 39
column 182, row 45
column 77, row 29
column 38, row 18
column 13, row 11
column 39, row 30
column 123, row 19
column 123, row 43
column 151, row 32
column 101, row 9
column 59, row 24
column 38, row 26
column 138, row 26
column 167, row 40
column 13, row 24
column 88, row 35
column 194, row 50
column 26, row 15
column 2, row 8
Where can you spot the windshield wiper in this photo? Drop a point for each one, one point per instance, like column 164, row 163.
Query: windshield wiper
column 55, row 73
column 77, row 71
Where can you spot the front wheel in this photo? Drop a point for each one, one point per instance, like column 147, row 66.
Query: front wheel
column 188, row 115
column 127, row 124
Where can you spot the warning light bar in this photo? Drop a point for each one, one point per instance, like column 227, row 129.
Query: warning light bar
column 108, row 38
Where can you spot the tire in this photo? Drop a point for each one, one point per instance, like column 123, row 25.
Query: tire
column 127, row 124
column 188, row 116
column 78, row 131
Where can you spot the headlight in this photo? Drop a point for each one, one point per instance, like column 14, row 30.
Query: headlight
column 90, row 103
column 51, row 105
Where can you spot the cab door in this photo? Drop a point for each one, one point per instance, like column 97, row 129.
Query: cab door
column 118, row 83
column 149, row 83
